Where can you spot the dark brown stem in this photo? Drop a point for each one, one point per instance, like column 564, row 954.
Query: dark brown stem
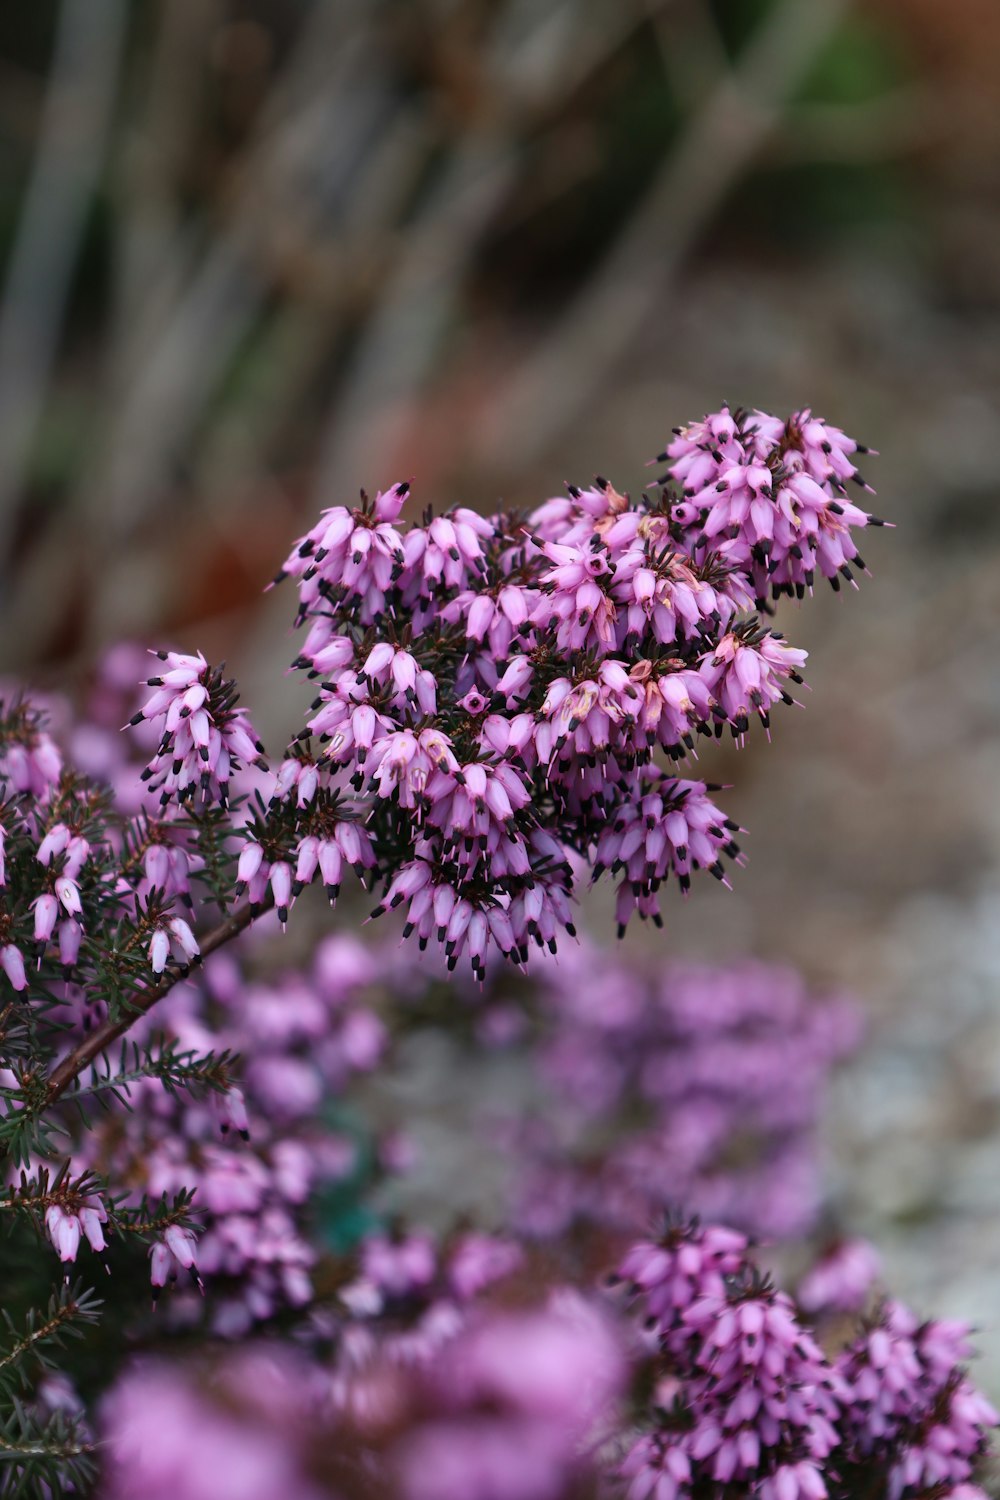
column 109, row 1031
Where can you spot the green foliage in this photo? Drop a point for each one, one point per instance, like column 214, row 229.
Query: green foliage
column 25, row 1349
column 43, row 1458
column 42, row 1454
column 164, row 1058
column 36, row 1192
column 861, row 62
column 211, row 830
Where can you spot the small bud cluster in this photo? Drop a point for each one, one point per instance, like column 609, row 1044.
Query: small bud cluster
column 204, row 736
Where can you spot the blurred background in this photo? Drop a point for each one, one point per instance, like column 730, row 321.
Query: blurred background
column 255, row 254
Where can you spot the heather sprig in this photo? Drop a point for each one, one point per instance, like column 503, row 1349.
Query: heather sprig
column 204, row 736
column 47, row 1446
column 505, row 708
column 494, row 692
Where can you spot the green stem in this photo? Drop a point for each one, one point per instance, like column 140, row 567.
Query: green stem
column 65, row 1314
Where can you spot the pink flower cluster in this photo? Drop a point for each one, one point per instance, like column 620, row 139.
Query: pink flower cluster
column 162, row 860
column 713, row 1058
column 513, row 1405
column 748, row 1397
column 770, row 496
column 493, row 692
column 409, row 1302
column 744, row 1397
column 408, row 1270
column 44, row 838
column 54, row 836
column 906, row 1394
column 30, row 760
column 237, row 1435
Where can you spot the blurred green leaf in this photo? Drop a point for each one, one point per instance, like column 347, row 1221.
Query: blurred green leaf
column 343, row 1214
column 862, row 61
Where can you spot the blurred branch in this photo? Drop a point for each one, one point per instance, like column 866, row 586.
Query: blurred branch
column 149, row 210
column 694, row 68
column 66, row 168
column 409, row 319
column 22, row 100
column 327, row 256
column 342, row 130
column 165, row 372
column 724, row 136
column 535, row 60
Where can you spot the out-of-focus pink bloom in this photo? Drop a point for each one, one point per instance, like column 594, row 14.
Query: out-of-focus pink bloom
column 30, row 761
column 728, row 1067
column 168, row 1440
column 399, row 1267
column 478, row 1260
column 842, row 1279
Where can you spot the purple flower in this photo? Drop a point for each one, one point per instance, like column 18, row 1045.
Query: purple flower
column 909, row 1405
column 746, row 1395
